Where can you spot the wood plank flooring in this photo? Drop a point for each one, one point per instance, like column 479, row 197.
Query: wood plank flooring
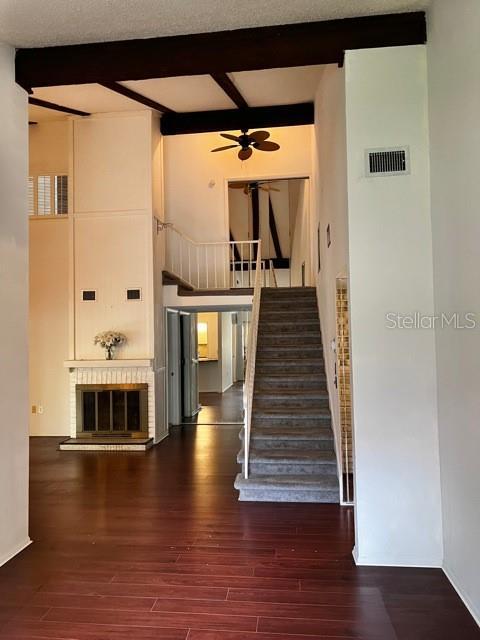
column 220, row 408
column 155, row 546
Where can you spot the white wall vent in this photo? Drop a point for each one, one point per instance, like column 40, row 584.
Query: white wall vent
column 393, row 161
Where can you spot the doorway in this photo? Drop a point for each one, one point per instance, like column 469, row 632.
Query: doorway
column 276, row 212
column 206, row 360
column 182, row 366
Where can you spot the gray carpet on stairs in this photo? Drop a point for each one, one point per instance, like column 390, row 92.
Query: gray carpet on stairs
column 292, row 452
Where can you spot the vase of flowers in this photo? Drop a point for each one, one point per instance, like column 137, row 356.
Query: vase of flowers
column 109, row 340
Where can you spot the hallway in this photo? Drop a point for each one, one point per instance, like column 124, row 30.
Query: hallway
column 220, row 408
column 156, row 546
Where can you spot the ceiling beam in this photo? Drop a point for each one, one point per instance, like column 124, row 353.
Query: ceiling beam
column 237, row 119
column 137, row 97
column 291, row 45
column 230, row 89
column 56, row 107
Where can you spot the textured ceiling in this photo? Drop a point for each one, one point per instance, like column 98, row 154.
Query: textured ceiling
column 30, row 23
column 188, row 93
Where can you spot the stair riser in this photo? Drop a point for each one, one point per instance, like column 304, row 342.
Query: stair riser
column 271, row 385
column 293, row 469
column 286, row 317
column 285, row 495
column 300, row 421
column 303, row 396
column 289, row 404
column 309, row 369
column 290, row 341
column 274, row 443
column 279, row 352
column 290, row 325
column 300, row 306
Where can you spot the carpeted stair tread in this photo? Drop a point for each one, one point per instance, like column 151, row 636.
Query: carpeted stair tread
column 293, row 433
column 312, row 482
column 303, row 456
column 281, row 393
column 292, row 449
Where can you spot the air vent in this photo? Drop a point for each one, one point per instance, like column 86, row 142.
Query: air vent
column 394, row 161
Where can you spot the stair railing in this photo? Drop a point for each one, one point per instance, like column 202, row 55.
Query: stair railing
column 251, row 360
column 209, row 265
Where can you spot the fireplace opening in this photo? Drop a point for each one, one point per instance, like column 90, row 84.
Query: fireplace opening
column 112, row 409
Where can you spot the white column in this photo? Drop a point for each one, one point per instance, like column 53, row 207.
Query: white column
column 398, row 511
column 14, row 309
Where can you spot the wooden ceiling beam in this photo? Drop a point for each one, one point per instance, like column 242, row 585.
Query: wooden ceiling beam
column 137, row 97
column 56, row 107
column 308, row 43
column 237, row 119
column 230, row 89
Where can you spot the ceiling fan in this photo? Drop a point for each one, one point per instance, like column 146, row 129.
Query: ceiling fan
column 248, row 187
column 248, row 142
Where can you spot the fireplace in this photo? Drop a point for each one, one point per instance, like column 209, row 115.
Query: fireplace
column 112, row 409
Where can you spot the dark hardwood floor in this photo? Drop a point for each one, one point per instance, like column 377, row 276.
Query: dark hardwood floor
column 221, row 408
column 148, row 546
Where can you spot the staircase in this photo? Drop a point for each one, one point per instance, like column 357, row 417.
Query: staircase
column 292, row 453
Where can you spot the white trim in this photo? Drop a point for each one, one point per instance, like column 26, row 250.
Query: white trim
column 50, row 216
column 162, row 438
column 11, row 554
column 463, row 597
column 107, row 364
column 387, row 561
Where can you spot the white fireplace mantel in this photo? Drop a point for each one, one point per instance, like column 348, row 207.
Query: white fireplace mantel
column 106, row 364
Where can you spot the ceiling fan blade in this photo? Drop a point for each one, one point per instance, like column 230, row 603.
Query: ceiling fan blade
column 269, row 189
column 266, row 146
column 237, row 185
column 244, row 154
column 229, row 146
column 259, row 136
column 229, row 136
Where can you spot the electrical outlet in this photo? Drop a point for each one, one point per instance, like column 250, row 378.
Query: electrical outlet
column 40, row 409
column 34, row 408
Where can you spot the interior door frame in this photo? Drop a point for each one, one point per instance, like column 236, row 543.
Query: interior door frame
column 310, row 280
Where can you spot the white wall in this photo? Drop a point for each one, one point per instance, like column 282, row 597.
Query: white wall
column 49, row 147
column 48, row 326
column 158, row 260
column 49, row 152
column 300, row 254
column 198, row 207
column 226, row 353
column 112, row 218
column 330, row 184
column 13, row 320
column 398, row 512
column 454, row 60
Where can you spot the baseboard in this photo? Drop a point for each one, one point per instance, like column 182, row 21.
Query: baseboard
column 161, row 439
column 379, row 561
column 474, row 612
column 11, row 554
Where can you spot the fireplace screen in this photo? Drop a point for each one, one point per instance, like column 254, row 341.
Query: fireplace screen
column 114, row 408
